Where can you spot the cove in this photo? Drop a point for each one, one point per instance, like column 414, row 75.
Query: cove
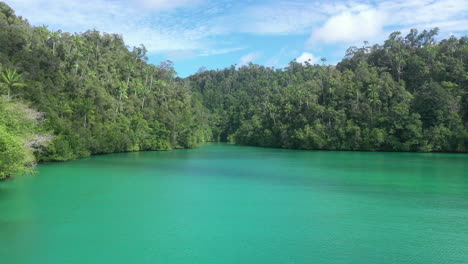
column 223, row 203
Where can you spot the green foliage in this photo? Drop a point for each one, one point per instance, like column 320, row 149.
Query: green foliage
column 21, row 136
column 97, row 96
column 12, row 154
column 11, row 79
column 409, row 94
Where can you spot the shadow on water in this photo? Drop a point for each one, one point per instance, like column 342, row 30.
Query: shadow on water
column 5, row 191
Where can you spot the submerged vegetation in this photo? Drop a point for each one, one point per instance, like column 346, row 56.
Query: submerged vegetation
column 92, row 94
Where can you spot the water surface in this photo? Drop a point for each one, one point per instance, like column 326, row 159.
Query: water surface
column 229, row 204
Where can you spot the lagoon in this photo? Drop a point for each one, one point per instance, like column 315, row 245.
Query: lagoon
column 223, row 203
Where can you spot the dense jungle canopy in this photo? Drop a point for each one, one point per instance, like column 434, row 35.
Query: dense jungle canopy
column 65, row 96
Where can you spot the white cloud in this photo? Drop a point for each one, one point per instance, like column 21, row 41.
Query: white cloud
column 212, row 52
column 168, row 4
column 157, row 29
column 280, row 18
column 250, row 57
column 414, row 12
column 177, row 55
column 163, row 39
column 305, row 16
column 350, row 27
column 282, row 58
column 358, row 22
column 183, row 54
column 307, row 57
column 273, row 62
column 203, row 28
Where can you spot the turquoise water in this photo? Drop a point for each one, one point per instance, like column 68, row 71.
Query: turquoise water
column 230, row 204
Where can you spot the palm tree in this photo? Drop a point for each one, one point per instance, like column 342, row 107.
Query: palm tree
column 122, row 90
column 144, row 92
column 374, row 96
column 11, row 79
column 76, row 50
column 43, row 32
column 85, row 107
column 54, row 36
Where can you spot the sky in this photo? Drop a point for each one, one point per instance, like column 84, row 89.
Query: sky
column 219, row 33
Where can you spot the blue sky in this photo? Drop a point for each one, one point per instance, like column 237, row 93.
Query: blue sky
column 218, row 34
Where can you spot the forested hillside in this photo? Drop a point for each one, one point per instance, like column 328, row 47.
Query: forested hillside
column 96, row 94
column 409, row 94
column 65, row 96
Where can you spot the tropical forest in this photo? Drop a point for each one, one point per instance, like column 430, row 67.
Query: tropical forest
column 179, row 132
column 67, row 96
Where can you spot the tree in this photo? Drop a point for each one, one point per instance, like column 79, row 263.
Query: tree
column 11, row 79
column 85, row 107
column 54, row 36
column 122, row 93
column 12, row 154
column 432, row 102
column 373, row 95
column 101, row 96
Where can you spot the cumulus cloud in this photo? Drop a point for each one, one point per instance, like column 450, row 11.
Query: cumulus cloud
column 366, row 19
column 355, row 23
column 350, row 27
column 415, row 12
column 250, row 57
column 307, row 57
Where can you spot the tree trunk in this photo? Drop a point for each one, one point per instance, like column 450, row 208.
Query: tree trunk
column 357, row 98
column 85, row 117
column 128, row 80
column 151, row 83
column 86, row 65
